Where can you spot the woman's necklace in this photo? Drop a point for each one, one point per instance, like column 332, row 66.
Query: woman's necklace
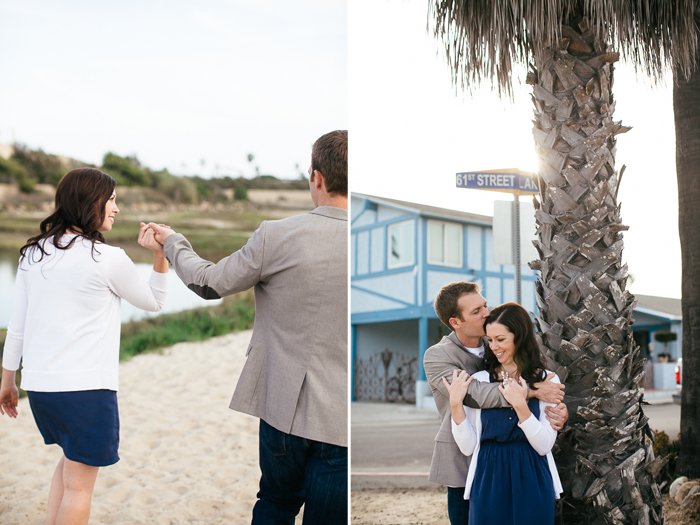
column 507, row 376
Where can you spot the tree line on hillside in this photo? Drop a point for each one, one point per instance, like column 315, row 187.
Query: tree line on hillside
column 29, row 167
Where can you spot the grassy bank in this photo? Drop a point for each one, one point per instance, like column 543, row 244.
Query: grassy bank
column 235, row 313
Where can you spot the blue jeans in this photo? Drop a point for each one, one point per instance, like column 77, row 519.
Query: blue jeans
column 457, row 506
column 298, row 471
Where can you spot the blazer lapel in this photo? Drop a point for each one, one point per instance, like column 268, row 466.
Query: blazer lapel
column 465, row 355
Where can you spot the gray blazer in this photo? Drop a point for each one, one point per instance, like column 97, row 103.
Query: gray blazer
column 296, row 374
column 449, row 466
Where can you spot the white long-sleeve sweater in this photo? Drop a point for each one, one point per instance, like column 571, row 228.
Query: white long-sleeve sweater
column 66, row 315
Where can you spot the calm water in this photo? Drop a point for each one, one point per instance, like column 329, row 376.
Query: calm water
column 179, row 297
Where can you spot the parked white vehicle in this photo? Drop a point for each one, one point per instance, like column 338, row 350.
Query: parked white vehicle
column 679, row 378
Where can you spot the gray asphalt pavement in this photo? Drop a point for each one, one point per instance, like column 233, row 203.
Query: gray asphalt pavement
column 392, row 444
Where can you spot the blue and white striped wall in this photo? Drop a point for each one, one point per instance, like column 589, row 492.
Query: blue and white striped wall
column 393, row 307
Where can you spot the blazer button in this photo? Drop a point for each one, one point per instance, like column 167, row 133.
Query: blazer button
column 510, row 418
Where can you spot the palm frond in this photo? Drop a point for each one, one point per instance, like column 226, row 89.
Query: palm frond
column 484, row 39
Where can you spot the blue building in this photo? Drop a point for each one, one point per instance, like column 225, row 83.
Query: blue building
column 402, row 253
column 652, row 315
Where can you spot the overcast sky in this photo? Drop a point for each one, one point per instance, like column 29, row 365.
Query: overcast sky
column 175, row 82
column 412, row 132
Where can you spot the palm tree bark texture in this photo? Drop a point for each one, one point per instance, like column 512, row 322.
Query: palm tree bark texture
column 686, row 109
column 604, row 455
column 585, row 313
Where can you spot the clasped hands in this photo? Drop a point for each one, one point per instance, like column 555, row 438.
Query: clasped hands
column 513, row 391
column 152, row 236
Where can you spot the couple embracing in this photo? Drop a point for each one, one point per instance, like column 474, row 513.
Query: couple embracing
column 500, row 409
column 65, row 328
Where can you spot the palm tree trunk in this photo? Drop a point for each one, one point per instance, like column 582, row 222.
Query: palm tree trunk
column 686, row 109
column 604, row 454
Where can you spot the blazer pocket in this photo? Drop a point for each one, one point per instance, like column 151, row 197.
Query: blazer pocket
column 445, row 437
column 250, row 347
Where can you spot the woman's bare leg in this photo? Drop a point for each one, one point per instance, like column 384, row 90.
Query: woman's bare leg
column 55, row 494
column 78, row 482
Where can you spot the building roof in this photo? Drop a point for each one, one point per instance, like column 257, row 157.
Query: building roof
column 666, row 305
column 430, row 211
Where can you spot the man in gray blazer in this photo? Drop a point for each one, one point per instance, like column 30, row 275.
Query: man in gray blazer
column 296, row 377
column 462, row 308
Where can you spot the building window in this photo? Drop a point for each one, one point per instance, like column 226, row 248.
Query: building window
column 401, row 247
column 445, row 243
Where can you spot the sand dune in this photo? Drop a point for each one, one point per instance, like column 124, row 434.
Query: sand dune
column 185, row 456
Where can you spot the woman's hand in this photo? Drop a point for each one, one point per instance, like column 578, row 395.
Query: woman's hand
column 147, row 239
column 457, row 390
column 514, row 391
column 9, row 395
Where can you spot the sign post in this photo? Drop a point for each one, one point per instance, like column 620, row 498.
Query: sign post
column 514, row 181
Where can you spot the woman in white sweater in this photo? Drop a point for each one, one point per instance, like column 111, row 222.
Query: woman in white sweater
column 65, row 326
column 512, row 478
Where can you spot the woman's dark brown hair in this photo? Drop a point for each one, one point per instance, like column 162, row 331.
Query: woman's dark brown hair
column 527, row 355
column 81, row 197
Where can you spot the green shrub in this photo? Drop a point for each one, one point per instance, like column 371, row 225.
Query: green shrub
column 128, row 170
column 234, row 314
column 240, row 193
column 663, row 446
column 41, row 167
column 180, row 189
column 13, row 170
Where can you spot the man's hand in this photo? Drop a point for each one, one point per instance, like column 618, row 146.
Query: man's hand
column 161, row 231
column 548, row 391
column 557, row 416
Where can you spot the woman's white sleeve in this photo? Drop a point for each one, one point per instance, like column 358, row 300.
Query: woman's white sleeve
column 124, row 280
column 539, row 432
column 465, row 435
column 12, row 352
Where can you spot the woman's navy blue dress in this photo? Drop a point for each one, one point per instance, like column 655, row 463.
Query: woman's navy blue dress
column 512, row 483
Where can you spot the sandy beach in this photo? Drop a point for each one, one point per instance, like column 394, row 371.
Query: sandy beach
column 185, row 456
column 423, row 506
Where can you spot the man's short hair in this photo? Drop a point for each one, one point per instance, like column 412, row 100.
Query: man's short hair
column 329, row 155
column 446, row 306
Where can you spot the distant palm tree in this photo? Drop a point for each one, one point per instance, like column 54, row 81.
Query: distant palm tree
column 686, row 109
column 604, row 455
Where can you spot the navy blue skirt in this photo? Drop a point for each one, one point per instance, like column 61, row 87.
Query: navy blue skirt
column 84, row 424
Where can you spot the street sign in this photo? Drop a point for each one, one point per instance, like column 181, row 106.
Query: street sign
column 512, row 181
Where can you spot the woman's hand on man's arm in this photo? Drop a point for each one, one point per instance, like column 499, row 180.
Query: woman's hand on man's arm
column 457, row 390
